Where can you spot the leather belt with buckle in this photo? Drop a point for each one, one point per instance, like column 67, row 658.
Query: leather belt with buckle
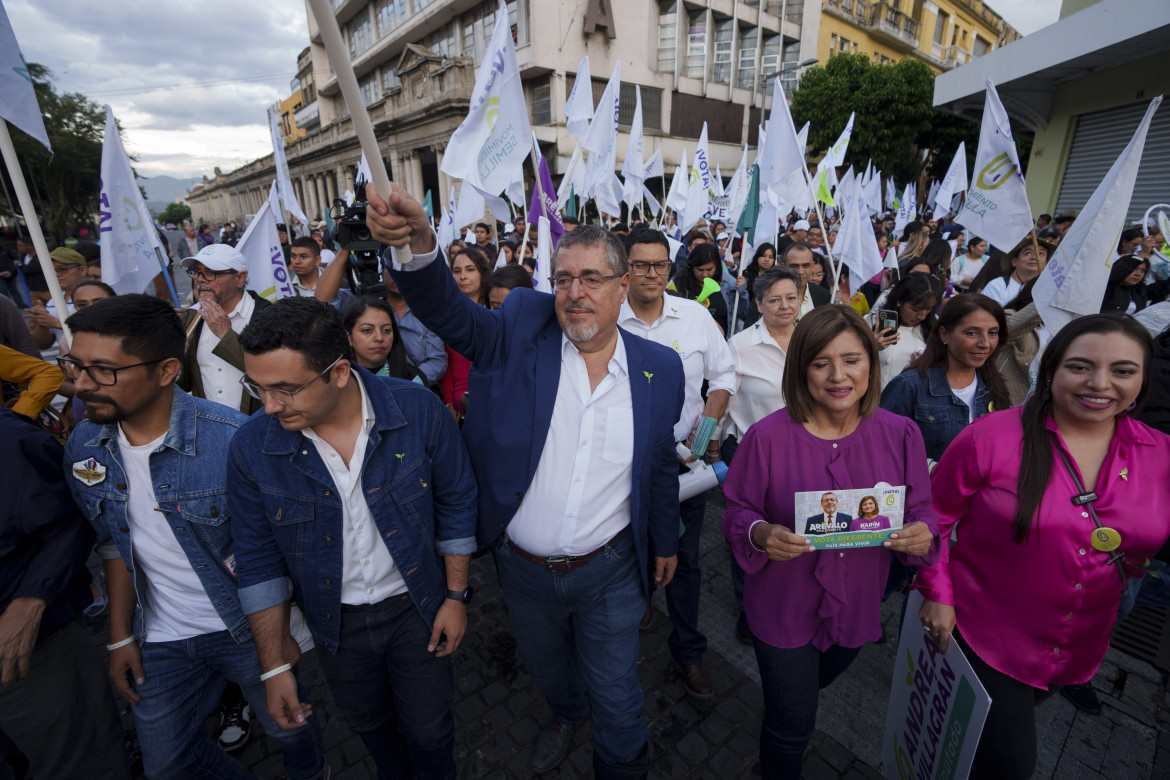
column 559, row 564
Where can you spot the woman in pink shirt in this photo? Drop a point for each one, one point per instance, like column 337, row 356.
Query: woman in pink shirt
column 1056, row 503
column 868, row 518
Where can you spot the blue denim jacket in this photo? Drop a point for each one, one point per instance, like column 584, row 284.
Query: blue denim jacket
column 418, row 483
column 187, row 472
column 929, row 402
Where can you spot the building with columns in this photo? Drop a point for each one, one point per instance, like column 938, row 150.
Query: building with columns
column 710, row 61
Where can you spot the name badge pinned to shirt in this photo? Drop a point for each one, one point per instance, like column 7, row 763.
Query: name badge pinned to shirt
column 89, row 471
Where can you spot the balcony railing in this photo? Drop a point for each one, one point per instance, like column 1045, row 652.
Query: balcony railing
column 308, row 117
column 954, row 56
column 896, row 27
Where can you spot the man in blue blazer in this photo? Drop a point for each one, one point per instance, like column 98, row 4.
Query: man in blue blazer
column 570, row 431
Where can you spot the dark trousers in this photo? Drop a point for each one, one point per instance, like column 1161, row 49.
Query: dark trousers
column 792, row 679
column 727, row 452
column 392, row 692
column 62, row 716
column 687, row 642
column 1007, row 747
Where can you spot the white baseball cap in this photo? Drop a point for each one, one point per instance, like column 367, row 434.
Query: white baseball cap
column 218, row 257
column 801, row 224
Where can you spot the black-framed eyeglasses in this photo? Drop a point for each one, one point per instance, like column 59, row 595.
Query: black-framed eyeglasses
column 282, row 397
column 590, row 280
column 206, row 275
column 106, row 376
column 642, row 268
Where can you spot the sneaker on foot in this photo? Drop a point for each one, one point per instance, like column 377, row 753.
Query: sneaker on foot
column 235, row 726
column 552, row 746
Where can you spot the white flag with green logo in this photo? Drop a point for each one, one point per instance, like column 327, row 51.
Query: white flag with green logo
column 1073, row 282
column 495, row 137
column 997, row 207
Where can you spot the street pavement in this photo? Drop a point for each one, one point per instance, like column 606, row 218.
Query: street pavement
column 499, row 712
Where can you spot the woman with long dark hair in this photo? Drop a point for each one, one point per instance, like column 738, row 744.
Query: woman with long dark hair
column 763, row 259
column 1127, row 291
column 471, row 269
column 954, row 381
column 1058, row 502
column 703, row 263
column 373, row 335
column 914, row 299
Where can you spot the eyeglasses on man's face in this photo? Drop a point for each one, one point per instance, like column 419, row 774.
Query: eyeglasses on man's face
column 590, row 280
column 642, row 268
column 106, row 376
column 206, row 275
column 282, row 397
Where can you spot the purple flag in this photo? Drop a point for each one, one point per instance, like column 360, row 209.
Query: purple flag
column 544, row 203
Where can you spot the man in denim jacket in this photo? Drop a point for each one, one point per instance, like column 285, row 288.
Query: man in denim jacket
column 344, row 497
column 147, row 471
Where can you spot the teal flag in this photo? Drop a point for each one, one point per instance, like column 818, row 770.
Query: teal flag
column 746, row 224
column 427, row 207
column 571, row 205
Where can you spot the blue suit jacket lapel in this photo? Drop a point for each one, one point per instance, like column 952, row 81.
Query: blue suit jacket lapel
column 548, row 376
column 641, row 385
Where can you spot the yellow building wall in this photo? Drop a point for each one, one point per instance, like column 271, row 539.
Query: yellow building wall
column 833, row 28
column 1131, row 83
column 289, row 106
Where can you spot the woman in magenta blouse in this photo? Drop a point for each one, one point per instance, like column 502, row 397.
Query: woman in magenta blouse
column 810, row 612
column 868, row 518
column 1056, row 504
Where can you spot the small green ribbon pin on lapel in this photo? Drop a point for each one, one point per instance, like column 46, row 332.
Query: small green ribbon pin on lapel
column 649, row 376
column 1124, row 475
column 400, row 456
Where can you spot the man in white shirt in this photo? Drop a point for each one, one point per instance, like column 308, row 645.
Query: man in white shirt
column 305, row 262
column 213, row 361
column 1025, row 266
column 147, row 469
column 687, row 328
column 570, row 430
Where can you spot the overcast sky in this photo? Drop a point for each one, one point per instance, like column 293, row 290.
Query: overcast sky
column 142, row 56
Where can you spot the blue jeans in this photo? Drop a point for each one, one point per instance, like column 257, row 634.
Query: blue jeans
column 392, row 692
column 792, row 679
column 583, row 624
column 1150, row 590
column 184, row 680
column 687, row 642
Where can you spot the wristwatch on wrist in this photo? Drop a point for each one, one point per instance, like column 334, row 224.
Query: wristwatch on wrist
column 460, row 595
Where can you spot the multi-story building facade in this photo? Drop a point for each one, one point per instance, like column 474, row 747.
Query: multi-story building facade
column 942, row 33
column 710, row 61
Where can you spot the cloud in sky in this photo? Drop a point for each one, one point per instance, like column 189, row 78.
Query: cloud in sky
column 1027, row 16
column 141, row 56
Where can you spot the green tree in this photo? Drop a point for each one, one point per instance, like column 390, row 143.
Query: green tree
column 65, row 185
column 894, row 117
column 175, row 213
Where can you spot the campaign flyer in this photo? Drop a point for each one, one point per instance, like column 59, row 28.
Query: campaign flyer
column 860, row 517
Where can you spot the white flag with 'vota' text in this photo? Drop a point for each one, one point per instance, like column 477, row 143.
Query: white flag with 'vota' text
column 128, row 237
column 260, row 246
column 997, row 207
column 1073, row 282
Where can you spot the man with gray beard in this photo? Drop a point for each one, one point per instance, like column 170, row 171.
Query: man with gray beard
column 570, row 429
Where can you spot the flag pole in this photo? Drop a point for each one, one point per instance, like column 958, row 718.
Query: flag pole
column 337, row 52
column 34, row 227
column 166, row 275
column 834, row 265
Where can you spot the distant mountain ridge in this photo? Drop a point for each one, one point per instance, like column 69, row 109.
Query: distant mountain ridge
column 161, row 190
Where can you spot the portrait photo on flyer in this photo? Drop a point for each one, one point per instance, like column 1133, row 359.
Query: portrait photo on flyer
column 855, row 517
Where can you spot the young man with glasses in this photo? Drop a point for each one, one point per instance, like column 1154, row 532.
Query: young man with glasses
column 147, row 470
column 686, row 327
column 573, row 448
column 343, row 496
column 213, row 361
